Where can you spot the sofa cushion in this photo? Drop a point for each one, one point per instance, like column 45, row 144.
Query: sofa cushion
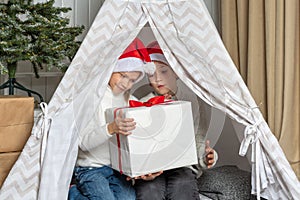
column 226, row 183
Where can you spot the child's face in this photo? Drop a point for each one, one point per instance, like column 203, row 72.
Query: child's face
column 164, row 79
column 123, row 81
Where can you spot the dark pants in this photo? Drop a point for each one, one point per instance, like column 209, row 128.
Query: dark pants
column 175, row 184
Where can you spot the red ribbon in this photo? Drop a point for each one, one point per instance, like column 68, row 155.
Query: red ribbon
column 149, row 103
column 119, row 144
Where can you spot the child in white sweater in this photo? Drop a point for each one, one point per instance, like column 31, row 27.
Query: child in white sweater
column 95, row 179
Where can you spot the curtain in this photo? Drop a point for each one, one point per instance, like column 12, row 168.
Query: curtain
column 263, row 39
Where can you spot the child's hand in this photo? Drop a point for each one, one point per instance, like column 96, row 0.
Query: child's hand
column 168, row 96
column 147, row 177
column 210, row 156
column 121, row 125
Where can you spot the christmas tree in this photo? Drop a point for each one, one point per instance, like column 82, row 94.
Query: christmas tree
column 35, row 32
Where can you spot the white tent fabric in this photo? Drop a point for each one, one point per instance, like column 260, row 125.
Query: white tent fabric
column 193, row 48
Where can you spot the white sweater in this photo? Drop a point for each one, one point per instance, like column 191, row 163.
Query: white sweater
column 94, row 139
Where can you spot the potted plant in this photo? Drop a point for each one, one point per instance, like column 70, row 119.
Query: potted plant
column 34, row 32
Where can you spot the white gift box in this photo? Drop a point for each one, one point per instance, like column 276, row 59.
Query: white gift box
column 163, row 139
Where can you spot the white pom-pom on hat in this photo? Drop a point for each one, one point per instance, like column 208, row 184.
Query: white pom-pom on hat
column 149, row 68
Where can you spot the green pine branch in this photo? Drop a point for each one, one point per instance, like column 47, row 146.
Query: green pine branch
column 37, row 33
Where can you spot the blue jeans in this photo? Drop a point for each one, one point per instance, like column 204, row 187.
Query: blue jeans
column 101, row 183
column 174, row 184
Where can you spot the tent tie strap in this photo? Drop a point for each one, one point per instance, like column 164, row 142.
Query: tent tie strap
column 41, row 129
column 251, row 135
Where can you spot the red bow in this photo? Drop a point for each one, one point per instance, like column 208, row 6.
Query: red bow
column 150, row 102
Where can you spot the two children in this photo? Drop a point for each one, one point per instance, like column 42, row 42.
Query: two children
column 95, row 179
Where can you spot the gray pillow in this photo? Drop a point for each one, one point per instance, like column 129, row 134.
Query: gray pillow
column 226, row 183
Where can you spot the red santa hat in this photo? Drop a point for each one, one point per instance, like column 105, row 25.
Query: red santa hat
column 155, row 52
column 135, row 58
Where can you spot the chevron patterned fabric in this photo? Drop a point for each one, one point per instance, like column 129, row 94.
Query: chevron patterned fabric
column 193, row 48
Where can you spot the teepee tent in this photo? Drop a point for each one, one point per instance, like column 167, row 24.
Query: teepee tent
column 195, row 51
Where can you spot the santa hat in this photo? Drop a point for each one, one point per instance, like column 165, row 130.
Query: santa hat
column 135, row 58
column 155, row 52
